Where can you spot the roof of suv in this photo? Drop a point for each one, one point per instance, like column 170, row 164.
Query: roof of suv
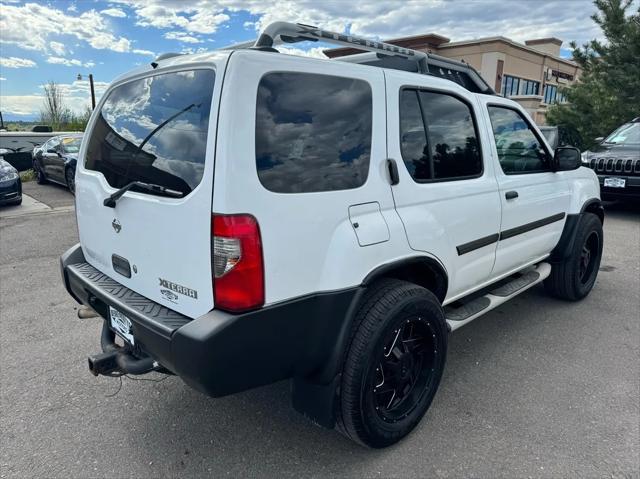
column 380, row 55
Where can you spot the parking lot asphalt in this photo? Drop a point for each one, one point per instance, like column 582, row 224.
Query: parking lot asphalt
column 536, row 388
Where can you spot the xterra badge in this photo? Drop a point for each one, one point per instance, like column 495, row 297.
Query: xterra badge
column 191, row 293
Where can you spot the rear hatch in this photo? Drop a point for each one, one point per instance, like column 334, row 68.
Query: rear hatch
column 156, row 129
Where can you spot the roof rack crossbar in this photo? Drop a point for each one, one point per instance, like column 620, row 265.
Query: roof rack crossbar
column 428, row 64
column 297, row 32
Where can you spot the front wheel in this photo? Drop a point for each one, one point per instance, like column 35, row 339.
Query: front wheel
column 40, row 176
column 394, row 363
column 70, row 176
column 573, row 278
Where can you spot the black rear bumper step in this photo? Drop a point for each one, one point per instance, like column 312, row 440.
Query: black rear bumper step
column 220, row 353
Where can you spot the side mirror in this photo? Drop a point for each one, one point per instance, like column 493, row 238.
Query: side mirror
column 598, row 139
column 566, row 158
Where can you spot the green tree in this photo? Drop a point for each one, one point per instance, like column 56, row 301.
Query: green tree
column 608, row 92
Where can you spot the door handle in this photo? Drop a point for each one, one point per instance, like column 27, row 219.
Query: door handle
column 511, row 195
column 394, row 177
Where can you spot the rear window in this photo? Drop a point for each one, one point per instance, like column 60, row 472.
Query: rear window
column 154, row 130
column 313, row 132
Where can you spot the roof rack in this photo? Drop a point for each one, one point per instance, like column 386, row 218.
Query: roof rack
column 386, row 54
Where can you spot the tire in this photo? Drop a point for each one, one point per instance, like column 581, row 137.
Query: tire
column 400, row 331
column 573, row 278
column 70, row 178
column 41, row 179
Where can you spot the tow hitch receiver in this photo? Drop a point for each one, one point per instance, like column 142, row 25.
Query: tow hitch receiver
column 104, row 363
column 118, row 360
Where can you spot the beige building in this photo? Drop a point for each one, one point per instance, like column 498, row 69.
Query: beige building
column 532, row 73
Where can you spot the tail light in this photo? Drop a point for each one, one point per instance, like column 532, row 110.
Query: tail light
column 238, row 270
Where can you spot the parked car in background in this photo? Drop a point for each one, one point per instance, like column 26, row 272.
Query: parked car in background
column 56, row 160
column 10, row 184
column 616, row 161
column 19, row 145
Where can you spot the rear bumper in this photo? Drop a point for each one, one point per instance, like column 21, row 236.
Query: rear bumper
column 630, row 191
column 220, row 353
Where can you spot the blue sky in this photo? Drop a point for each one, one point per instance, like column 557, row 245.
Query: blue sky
column 59, row 39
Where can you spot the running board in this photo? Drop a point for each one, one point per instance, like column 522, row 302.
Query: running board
column 467, row 312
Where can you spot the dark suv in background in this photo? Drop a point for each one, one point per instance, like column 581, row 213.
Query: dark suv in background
column 616, row 161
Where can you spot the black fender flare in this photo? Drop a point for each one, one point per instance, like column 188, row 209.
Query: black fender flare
column 334, row 363
column 567, row 240
column 315, row 396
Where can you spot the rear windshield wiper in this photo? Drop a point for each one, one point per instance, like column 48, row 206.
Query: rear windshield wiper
column 111, row 200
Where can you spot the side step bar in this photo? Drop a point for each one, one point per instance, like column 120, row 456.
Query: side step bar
column 467, row 312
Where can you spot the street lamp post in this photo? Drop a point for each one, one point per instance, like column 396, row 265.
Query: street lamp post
column 93, row 93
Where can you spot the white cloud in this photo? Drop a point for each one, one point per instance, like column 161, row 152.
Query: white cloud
column 30, row 25
column 76, row 96
column 2, row 79
column 459, row 20
column 69, row 63
column 14, row 62
column 114, row 12
column 181, row 37
column 192, row 17
column 21, row 104
column 138, row 51
column 57, row 47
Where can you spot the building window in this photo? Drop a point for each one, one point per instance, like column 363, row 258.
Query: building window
column 510, row 86
column 529, row 87
column 553, row 95
column 519, row 86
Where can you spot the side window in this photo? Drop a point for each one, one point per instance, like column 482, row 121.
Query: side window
column 438, row 137
column 313, row 132
column 413, row 137
column 519, row 150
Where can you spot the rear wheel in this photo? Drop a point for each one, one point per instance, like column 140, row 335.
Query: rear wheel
column 394, row 364
column 70, row 177
column 574, row 278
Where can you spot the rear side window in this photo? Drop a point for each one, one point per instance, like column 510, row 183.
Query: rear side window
column 313, row 132
column 154, row 130
column 438, row 136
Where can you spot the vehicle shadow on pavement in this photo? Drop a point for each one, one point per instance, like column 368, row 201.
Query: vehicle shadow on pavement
column 622, row 209
column 192, row 433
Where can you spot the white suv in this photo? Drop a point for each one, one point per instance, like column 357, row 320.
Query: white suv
column 247, row 216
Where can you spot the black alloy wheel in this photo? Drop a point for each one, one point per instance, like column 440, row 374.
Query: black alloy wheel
column 573, row 277
column 588, row 257
column 69, row 175
column 393, row 364
column 405, row 369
